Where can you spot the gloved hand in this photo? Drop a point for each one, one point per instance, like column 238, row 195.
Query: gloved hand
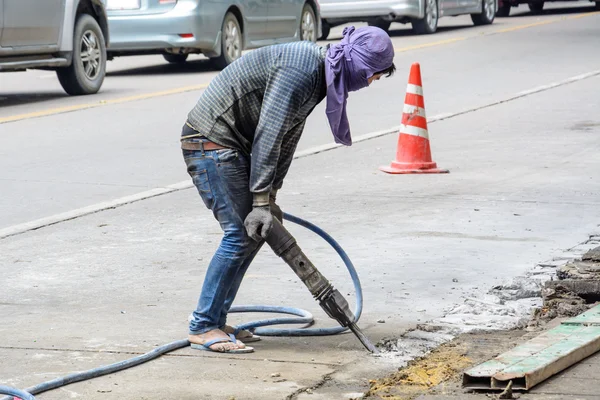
column 275, row 210
column 259, row 222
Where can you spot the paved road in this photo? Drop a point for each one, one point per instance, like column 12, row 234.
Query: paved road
column 523, row 187
column 127, row 141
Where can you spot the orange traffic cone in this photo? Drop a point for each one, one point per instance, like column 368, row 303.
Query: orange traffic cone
column 413, row 155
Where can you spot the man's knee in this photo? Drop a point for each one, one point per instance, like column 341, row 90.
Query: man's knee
column 237, row 243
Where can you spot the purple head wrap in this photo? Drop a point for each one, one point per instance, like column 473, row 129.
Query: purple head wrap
column 348, row 66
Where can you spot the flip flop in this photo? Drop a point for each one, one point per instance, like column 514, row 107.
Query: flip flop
column 246, row 336
column 230, row 339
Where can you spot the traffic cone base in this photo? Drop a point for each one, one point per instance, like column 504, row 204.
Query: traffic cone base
column 408, row 168
column 413, row 155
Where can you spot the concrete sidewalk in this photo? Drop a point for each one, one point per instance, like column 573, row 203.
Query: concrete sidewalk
column 523, row 187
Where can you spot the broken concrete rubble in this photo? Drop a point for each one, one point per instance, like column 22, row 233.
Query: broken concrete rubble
column 579, row 270
column 575, row 291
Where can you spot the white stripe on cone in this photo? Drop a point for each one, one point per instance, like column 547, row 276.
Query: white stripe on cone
column 414, row 110
column 414, row 131
column 414, row 89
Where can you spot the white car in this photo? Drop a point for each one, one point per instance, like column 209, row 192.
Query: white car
column 422, row 14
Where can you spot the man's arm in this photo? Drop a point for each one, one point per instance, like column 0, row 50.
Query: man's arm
column 288, row 148
column 287, row 89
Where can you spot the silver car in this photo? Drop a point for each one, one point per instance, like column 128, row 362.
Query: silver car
column 422, row 14
column 67, row 36
column 219, row 29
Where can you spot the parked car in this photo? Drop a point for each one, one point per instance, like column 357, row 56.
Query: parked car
column 422, row 14
column 535, row 6
column 66, row 36
column 219, row 29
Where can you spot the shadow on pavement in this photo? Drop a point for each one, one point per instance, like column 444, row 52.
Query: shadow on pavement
column 17, row 99
column 188, row 67
column 407, row 31
column 554, row 11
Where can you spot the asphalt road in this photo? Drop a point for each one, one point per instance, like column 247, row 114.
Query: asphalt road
column 513, row 111
column 124, row 140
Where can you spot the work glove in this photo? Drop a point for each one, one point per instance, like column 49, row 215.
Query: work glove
column 259, row 222
column 275, row 210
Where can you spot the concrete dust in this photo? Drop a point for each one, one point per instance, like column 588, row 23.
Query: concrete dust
column 415, row 343
column 518, row 289
column 506, row 306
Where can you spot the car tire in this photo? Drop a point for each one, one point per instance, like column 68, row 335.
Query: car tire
column 598, row 6
column 536, row 7
column 88, row 66
column 503, row 9
column 325, row 30
column 175, row 58
column 380, row 23
column 231, row 42
column 488, row 12
column 428, row 24
column 308, row 24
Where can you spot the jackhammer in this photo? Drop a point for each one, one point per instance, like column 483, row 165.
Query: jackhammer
column 331, row 300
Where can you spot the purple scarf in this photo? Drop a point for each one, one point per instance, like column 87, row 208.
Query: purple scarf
column 348, row 65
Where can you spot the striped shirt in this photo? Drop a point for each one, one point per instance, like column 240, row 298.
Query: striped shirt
column 259, row 105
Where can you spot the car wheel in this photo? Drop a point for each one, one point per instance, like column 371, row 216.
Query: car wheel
column 231, row 42
column 503, row 9
column 325, row 30
column 381, row 23
column 308, row 24
column 175, row 58
column 598, row 6
column 488, row 11
column 88, row 67
column 429, row 23
column 536, row 7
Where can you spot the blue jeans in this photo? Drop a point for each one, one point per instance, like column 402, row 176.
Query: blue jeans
column 222, row 179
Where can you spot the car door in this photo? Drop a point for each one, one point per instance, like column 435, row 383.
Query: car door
column 32, row 24
column 448, row 7
column 284, row 17
column 465, row 5
column 256, row 14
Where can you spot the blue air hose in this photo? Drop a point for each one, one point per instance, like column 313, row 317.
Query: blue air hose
column 308, row 320
column 302, row 317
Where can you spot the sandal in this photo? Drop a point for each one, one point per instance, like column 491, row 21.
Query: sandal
column 244, row 335
column 230, row 339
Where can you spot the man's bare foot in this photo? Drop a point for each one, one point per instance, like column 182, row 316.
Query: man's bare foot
column 216, row 334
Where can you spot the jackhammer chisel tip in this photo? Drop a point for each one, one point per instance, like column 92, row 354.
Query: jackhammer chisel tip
column 363, row 339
